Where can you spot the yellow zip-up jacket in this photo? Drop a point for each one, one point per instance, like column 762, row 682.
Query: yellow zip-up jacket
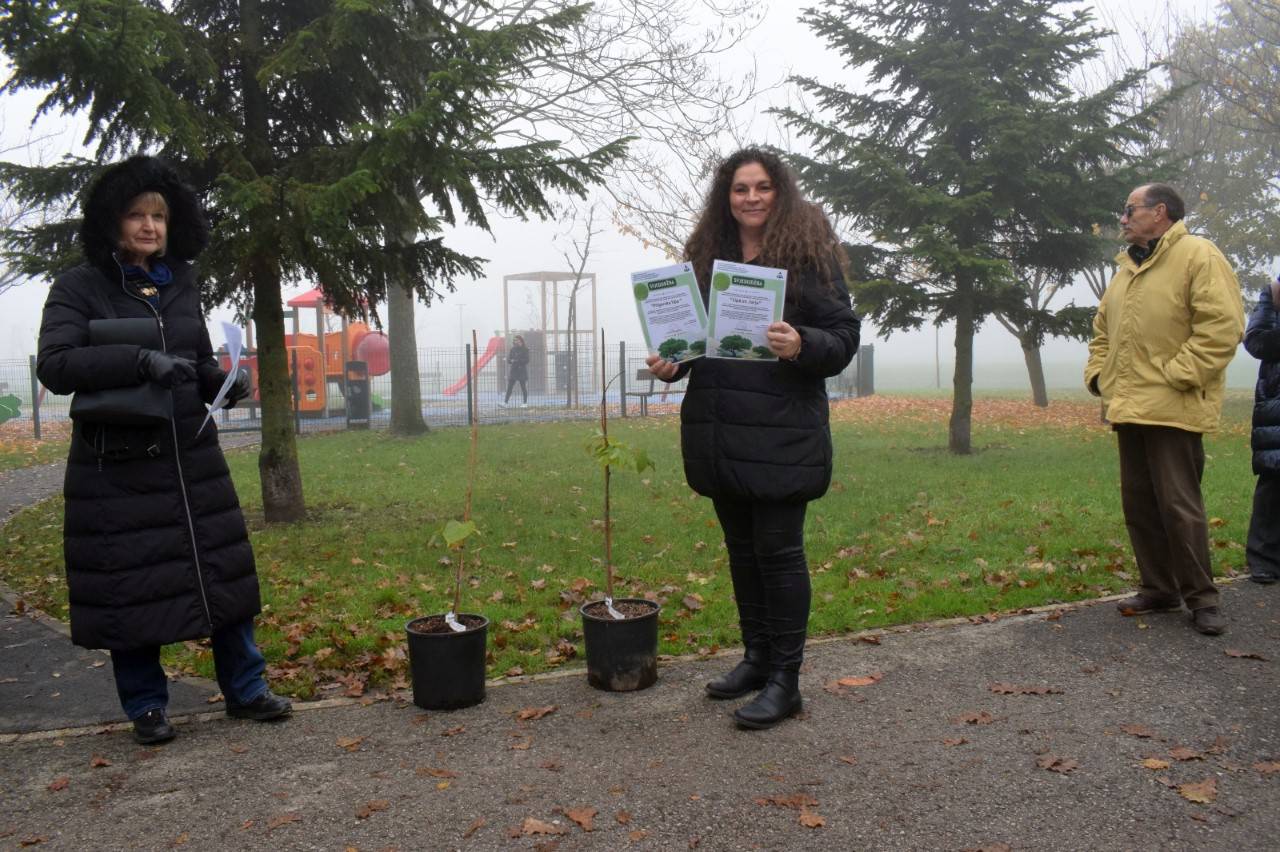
column 1164, row 334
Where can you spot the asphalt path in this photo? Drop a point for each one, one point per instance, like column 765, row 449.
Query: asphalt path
column 1067, row 728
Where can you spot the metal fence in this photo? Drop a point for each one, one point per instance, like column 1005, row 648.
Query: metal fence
column 561, row 385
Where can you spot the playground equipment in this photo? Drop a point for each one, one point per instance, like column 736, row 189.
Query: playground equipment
column 318, row 362
column 563, row 357
column 494, row 347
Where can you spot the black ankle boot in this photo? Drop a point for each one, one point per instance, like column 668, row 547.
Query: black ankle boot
column 779, row 700
column 747, row 676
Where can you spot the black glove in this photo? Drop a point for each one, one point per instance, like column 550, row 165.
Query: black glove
column 164, row 369
column 241, row 388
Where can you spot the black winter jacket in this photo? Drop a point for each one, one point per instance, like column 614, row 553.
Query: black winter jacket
column 155, row 544
column 518, row 363
column 1262, row 340
column 758, row 431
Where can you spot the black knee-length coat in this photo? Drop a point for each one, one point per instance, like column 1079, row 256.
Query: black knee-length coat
column 1262, row 340
column 155, row 543
column 759, row 431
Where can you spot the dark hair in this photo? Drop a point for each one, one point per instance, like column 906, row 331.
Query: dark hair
column 110, row 195
column 797, row 234
column 1162, row 193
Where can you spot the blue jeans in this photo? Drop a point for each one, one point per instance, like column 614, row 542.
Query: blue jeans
column 142, row 685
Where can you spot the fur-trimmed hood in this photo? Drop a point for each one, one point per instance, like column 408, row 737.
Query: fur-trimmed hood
column 110, row 195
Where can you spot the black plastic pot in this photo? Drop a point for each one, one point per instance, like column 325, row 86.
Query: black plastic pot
column 448, row 667
column 622, row 654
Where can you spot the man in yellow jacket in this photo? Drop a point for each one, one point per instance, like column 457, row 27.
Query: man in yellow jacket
column 1166, row 329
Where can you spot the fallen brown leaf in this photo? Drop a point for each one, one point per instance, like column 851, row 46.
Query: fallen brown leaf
column 584, row 817
column 59, row 784
column 870, row 640
column 1244, row 655
column 521, row 745
column 368, row 809
column 1053, row 763
column 1219, row 745
column 476, row 825
column 1155, row 763
column 1142, row 732
column 283, row 819
column 1184, row 753
column 810, row 819
column 350, row 743
column 537, row 826
column 453, row 732
column 1204, row 792
column 1268, row 767
column 33, row 840
column 637, row 835
column 623, row 817
column 982, row 717
column 849, row 759
column 236, row 748
column 692, row 602
column 434, row 772
column 530, row 713
column 98, row 761
column 180, row 840
column 865, row 680
column 954, row 741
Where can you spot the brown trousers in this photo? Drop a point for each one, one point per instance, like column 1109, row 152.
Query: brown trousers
column 1160, row 472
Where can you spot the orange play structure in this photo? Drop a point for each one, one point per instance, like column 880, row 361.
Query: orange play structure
column 319, row 360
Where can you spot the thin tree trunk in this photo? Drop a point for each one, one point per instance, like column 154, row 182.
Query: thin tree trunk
column 282, row 499
column 959, row 441
column 406, row 389
column 1035, row 372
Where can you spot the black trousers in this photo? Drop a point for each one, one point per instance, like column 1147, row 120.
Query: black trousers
column 524, row 388
column 1160, row 471
column 770, row 576
column 1262, row 548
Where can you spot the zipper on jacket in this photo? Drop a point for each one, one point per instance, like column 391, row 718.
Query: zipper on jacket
column 177, row 459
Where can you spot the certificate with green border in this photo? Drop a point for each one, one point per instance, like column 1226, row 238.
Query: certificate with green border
column 745, row 301
column 671, row 312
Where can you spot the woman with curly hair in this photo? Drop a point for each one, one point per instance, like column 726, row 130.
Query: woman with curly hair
column 755, row 435
column 155, row 544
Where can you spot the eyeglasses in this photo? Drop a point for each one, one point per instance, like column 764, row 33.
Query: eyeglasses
column 1127, row 210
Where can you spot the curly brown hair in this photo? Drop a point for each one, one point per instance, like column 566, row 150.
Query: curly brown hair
column 797, row 235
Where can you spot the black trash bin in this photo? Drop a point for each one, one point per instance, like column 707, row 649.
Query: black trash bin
column 359, row 404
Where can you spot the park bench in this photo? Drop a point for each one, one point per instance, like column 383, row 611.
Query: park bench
column 643, row 375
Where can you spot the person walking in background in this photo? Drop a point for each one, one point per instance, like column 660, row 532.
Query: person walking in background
column 1262, row 340
column 155, row 545
column 518, row 370
column 755, row 436
column 1166, row 328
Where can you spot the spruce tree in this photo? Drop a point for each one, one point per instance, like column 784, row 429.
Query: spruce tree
column 966, row 158
column 320, row 133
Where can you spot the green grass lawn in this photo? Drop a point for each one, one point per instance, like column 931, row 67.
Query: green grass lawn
column 18, row 449
column 907, row 533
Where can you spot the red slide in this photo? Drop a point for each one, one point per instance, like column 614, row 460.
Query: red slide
column 495, row 343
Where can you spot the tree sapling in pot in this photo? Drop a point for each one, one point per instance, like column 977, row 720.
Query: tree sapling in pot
column 447, row 651
column 621, row 635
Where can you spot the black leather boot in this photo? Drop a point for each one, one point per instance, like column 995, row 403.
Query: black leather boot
column 779, row 700
column 747, row 676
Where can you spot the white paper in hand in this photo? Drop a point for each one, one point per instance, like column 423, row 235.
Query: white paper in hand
column 232, row 333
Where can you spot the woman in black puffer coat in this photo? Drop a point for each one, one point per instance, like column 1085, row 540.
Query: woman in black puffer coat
column 155, row 544
column 1262, row 340
column 755, row 436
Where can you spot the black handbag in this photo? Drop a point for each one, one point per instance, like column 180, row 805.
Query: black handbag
column 145, row 404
